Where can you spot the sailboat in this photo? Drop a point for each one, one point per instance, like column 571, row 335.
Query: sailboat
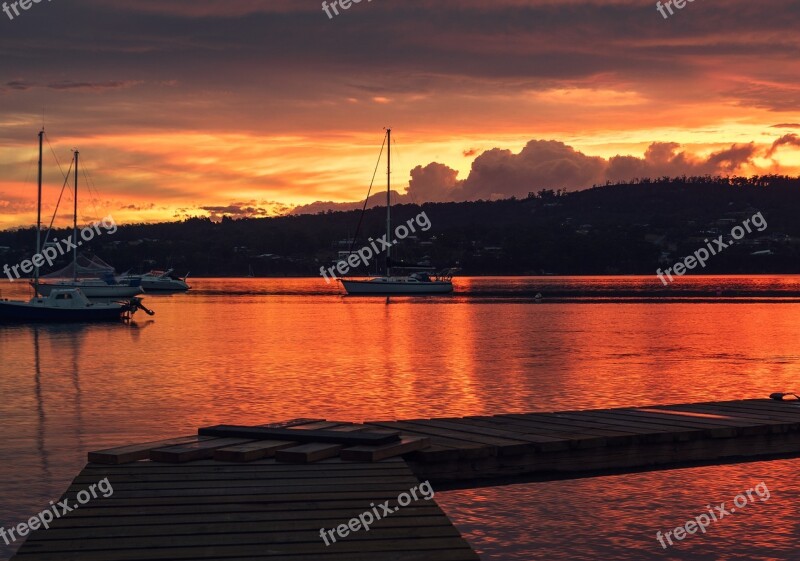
column 102, row 283
column 418, row 283
column 62, row 304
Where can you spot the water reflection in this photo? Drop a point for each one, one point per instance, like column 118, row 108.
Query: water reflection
column 279, row 349
column 40, row 433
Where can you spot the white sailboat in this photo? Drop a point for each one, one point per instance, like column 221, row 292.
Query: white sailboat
column 418, row 283
column 105, row 286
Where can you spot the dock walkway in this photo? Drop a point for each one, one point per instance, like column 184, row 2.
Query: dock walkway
column 266, row 492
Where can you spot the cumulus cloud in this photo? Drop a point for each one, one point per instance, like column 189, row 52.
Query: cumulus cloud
column 435, row 183
column 550, row 164
column 666, row 159
column 542, row 163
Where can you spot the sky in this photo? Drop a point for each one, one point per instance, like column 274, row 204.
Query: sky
column 261, row 107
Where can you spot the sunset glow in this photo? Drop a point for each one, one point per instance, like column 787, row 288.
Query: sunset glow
column 244, row 110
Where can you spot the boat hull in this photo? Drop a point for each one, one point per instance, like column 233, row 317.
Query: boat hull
column 25, row 312
column 399, row 288
column 98, row 291
column 164, row 286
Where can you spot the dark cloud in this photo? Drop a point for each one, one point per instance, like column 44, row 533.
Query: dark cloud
column 150, row 206
column 666, row 159
column 790, row 139
column 249, row 209
column 542, row 163
column 22, row 85
column 434, row 182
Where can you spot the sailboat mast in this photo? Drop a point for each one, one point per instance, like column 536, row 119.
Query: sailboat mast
column 389, row 201
column 39, row 216
column 75, row 225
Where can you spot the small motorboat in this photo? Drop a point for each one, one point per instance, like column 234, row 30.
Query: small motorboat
column 160, row 281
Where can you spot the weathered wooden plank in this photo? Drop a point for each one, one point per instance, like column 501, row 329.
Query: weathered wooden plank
column 460, row 440
column 587, row 428
column 154, row 519
column 780, row 413
column 575, row 434
column 251, row 450
column 308, row 453
column 158, row 527
column 375, row 453
column 257, row 450
column 405, row 542
column 135, row 452
column 260, row 483
column 502, row 431
column 771, row 418
column 193, row 451
column 308, row 436
column 263, row 537
column 132, row 453
column 464, row 448
column 709, row 429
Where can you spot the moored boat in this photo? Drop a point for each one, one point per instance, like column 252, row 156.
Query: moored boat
column 160, row 281
column 418, row 283
column 415, row 283
column 62, row 304
column 67, row 305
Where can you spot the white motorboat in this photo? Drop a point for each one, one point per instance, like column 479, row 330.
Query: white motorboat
column 94, row 288
column 160, row 281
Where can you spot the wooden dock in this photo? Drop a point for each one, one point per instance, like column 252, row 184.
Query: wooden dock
column 266, row 492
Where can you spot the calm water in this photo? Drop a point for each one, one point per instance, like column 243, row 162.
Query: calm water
column 257, row 350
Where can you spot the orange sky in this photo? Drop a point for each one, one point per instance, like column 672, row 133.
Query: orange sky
column 250, row 110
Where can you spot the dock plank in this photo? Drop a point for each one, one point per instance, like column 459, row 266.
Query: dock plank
column 199, row 450
column 132, row 453
column 251, row 450
column 375, row 453
column 308, row 453
column 303, row 436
